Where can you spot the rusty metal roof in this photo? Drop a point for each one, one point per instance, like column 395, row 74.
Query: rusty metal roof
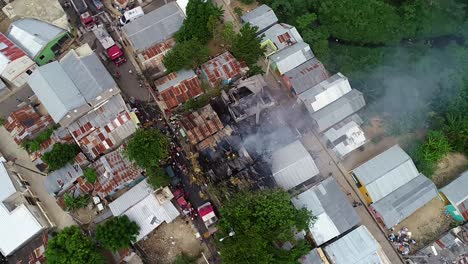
column 26, row 123
column 178, row 87
column 152, row 57
column 114, row 170
column 222, row 68
column 201, row 124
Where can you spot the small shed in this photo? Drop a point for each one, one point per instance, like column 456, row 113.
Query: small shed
column 455, row 195
column 292, row 165
column 262, row 17
column 334, row 213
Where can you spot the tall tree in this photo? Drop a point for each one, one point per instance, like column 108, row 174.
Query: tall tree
column 60, row 155
column 117, row 233
column 260, row 219
column 195, row 25
column 186, row 55
column 147, row 147
column 246, row 45
column 71, row 246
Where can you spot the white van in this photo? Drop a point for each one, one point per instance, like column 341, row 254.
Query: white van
column 131, row 15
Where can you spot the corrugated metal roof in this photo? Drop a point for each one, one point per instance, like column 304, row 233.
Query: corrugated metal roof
column 312, row 258
column 357, row 247
column 325, row 92
column 55, row 90
column 178, row 87
column 25, row 123
column 200, row 124
column 154, row 27
column 338, row 110
column 222, row 68
column 282, row 35
column 141, row 206
column 457, row 190
column 17, row 226
column 32, row 35
column 173, row 78
column 346, row 136
column 306, row 75
column 293, row 165
column 404, row 201
column 103, row 128
column 88, row 73
column 8, row 52
column 291, row 57
column 386, row 172
column 262, row 17
column 335, row 215
column 60, row 180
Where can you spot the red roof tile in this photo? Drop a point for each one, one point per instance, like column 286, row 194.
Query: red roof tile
column 26, row 123
column 222, row 68
column 180, row 92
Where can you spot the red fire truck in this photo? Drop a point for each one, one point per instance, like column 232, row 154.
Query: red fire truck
column 113, row 51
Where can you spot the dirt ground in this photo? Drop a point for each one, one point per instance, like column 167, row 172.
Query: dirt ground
column 246, row 8
column 427, row 223
column 170, row 240
column 449, row 169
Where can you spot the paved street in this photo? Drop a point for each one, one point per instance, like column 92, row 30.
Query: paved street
column 11, row 151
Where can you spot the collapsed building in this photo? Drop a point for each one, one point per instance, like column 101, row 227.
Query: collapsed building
column 248, row 98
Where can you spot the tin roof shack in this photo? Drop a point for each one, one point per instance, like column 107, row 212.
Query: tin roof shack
column 59, row 181
column 141, row 205
column 177, row 88
column 201, row 124
column 290, row 57
column 103, row 129
column 385, row 173
column 455, row 196
column 356, row 247
column 115, row 172
column 146, row 34
column 31, row 252
column 40, row 40
column 223, row 69
column 26, row 123
column 338, row 110
column 278, row 37
column 152, row 58
column 292, row 165
column 346, row 136
column 305, row 76
column 248, row 99
column 334, row 213
column 15, row 65
column 404, row 201
column 22, row 219
column 262, row 17
column 451, row 247
column 74, row 86
column 324, row 93
column 49, row 11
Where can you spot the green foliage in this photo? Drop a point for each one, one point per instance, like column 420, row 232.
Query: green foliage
column 260, row 219
column 60, row 155
column 90, row 174
column 186, row 55
column 147, row 147
column 202, row 100
column 35, row 144
column 254, row 70
column 157, row 177
column 238, row 11
column 117, row 233
column 196, row 23
column 246, row 46
column 247, row 2
column 430, row 152
column 73, row 203
column 72, row 246
column 185, row 259
column 228, row 34
column 2, row 121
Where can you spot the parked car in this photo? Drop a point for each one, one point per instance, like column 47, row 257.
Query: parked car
column 131, row 15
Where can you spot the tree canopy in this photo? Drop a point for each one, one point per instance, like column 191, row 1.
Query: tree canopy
column 260, row 219
column 90, row 174
column 71, row 246
column 147, row 147
column 117, row 233
column 195, row 25
column 246, row 45
column 186, row 55
column 60, row 155
column 157, row 177
column 73, row 203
